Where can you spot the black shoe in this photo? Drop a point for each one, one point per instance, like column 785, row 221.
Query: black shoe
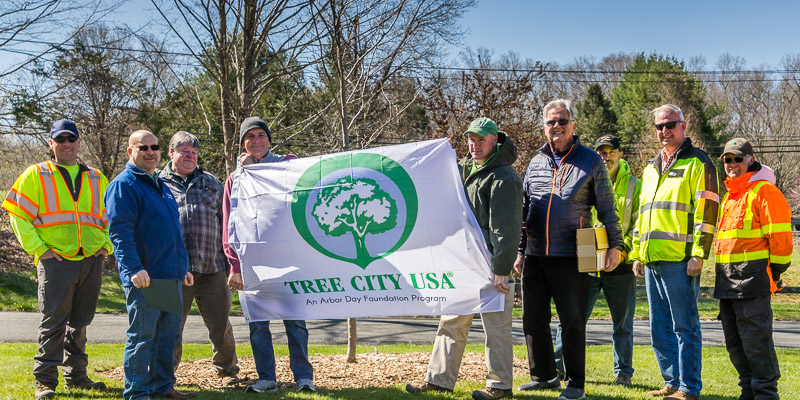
column 554, row 383
column 85, row 383
column 622, row 380
column 415, row 388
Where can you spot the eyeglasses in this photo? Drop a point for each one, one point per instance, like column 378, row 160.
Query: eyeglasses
column 668, row 125
column 62, row 139
column 729, row 160
column 144, row 147
column 553, row 122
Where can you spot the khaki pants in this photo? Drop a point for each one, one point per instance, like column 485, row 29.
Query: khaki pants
column 213, row 298
column 451, row 339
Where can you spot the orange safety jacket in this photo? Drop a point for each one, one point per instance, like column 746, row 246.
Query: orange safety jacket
column 754, row 237
column 45, row 215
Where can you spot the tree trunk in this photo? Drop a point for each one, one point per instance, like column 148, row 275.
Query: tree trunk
column 352, row 338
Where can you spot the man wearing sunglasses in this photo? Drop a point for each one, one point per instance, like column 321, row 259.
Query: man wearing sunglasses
column 58, row 215
column 143, row 225
column 753, row 248
column 673, row 235
column 563, row 182
column 619, row 285
column 199, row 197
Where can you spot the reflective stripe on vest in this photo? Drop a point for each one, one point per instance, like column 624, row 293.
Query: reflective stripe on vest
column 23, row 202
column 53, row 214
column 675, row 237
column 747, row 232
column 665, row 205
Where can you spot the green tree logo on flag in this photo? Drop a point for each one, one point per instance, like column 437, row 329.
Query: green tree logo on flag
column 348, row 207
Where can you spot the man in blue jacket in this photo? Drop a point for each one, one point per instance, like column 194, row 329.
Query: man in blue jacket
column 145, row 231
column 563, row 181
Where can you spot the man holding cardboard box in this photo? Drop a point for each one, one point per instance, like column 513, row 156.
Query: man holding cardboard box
column 619, row 285
column 563, row 182
column 673, row 236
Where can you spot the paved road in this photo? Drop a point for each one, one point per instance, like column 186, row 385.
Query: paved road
column 22, row 327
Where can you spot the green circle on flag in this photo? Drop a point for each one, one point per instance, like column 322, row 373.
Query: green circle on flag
column 352, row 204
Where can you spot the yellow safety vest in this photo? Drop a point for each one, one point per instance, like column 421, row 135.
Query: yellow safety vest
column 41, row 197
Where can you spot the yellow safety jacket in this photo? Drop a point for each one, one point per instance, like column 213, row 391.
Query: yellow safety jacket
column 678, row 211
column 45, row 215
column 627, row 190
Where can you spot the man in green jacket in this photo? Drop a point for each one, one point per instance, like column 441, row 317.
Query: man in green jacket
column 618, row 285
column 494, row 191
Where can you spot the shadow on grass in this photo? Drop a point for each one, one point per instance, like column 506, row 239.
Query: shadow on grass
column 112, row 296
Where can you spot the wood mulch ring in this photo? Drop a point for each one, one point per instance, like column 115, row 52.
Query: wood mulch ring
column 333, row 372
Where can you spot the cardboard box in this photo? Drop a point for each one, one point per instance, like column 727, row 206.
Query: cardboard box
column 592, row 248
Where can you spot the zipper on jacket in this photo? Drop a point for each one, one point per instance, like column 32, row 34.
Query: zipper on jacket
column 552, row 190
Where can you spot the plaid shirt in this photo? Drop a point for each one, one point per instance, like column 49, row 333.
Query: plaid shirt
column 200, row 207
column 668, row 159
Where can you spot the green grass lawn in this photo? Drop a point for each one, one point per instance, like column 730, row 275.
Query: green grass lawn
column 719, row 377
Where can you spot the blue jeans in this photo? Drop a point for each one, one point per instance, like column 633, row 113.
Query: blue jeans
column 620, row 294
column 147, row 361
column 264, row 355
column 675, row 324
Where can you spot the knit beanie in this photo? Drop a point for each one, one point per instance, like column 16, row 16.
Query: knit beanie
column 253, row 123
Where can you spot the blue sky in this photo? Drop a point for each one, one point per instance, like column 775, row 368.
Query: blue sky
column 760, row 31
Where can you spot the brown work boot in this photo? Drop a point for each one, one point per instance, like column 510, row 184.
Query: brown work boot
column 665, row 391
column 44, row 391
column 230, row 381
column 490, row 393
column 415, row 388
column 681, row 395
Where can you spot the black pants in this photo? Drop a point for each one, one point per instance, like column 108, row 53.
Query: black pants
column 558, row 278
column 747, row 325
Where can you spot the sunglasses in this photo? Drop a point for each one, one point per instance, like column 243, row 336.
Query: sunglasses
column 144, row 147
column 668, row 125
column 729, row 160
column 553, row 122
column 62, row 139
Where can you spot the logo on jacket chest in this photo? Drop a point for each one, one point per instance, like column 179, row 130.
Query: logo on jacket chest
column 676, row 173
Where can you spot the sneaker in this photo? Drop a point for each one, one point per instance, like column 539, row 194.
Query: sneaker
column 623, row 381
column 44, row 391
column 554, row 383
column 262, row 386
column 572, row 393
column 306, row 385
column 490, row 393
column 85, row 383
column 665, row 391
column 415, row 388
column 681, row 395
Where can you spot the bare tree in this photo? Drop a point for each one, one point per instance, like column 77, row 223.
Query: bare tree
column 364, row 48
column 503, row 90
column 27, row 26
column 234, row 41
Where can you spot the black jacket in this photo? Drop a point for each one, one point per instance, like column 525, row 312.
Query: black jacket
column 558, row 201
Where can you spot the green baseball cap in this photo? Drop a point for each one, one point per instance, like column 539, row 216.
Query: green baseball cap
column 482, row 126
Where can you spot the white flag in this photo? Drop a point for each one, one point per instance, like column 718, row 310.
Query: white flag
column 378, row 232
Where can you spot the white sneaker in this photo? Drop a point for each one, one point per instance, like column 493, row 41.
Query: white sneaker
column 262, row 386
column 306, row 385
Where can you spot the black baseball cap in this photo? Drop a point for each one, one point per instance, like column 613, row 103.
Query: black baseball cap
column 607, row 140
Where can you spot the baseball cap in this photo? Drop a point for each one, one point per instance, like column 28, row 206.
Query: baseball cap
column 739, row 147
column 607, row 140
column 482, row 126
column 63, row 125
